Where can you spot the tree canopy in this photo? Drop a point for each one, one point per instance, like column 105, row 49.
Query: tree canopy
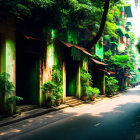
column 64, row 14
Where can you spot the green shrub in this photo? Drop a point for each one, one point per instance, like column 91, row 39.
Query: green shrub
column 57, row 79
column 93, row 91
column 14, row 99
column 48, row 87
column 86, row 82
column 11, row 101
column 7, row 100
column 6, row 87
column 111, row 85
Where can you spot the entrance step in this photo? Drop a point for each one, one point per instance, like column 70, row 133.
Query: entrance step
column 70, row 97
column 72, row 101
column 24, row 108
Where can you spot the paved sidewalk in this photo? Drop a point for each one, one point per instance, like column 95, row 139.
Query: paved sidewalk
column 41, row 111
column 30, row 114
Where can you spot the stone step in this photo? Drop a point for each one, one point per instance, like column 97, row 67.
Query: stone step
column 75, row 104
column 72, row 101
column 69, row 98
column 24, row 108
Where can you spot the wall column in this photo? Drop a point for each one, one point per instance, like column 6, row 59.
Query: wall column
column 103, row 84
column 78, row 84
column 64, row 82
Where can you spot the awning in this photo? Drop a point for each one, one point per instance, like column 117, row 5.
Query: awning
column 69, row 45
column 30, row 37
column 98, row 62
column 111, row 72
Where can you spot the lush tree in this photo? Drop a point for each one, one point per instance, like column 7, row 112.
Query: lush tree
column 138, row 44
column 107, row 4
column 42, row 15
column 111, row 84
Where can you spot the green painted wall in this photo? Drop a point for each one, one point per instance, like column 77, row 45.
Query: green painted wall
column 10, row 46
column 3, row 55
column 72, row 68
column 7, row 55
column 99, row 50
column 7, row 45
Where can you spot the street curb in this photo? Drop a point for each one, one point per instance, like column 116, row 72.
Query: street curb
column 32, row 116
column 48, row 110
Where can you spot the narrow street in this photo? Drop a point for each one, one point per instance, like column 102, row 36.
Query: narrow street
column 110, row 119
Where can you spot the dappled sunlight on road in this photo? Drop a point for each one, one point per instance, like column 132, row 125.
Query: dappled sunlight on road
column 108, row 109
column 11, row 131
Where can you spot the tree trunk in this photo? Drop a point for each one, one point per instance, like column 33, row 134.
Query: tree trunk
column 93, row 42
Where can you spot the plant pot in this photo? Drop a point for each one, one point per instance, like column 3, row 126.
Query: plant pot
column 92, row 98
column 49, row 103
column 84, row 98
column 58, row 102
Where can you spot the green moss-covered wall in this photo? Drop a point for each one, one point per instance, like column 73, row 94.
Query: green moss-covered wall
column 7, row 52
column 10, row 55
column 3, row 54
column 7, row 43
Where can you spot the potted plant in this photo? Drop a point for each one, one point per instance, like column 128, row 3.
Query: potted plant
column 57, row 79
column 111, row 85
column 48, row 89
column 86, row 80
column 11, row 101
column 85, row 96
column 6, row 89
column 58, row 95
column 58, row 99
column 50, row 99
column 93, row 93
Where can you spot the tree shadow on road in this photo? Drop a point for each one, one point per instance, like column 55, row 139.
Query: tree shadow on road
column 118, row 123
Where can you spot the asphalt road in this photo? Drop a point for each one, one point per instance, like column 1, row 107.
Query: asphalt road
column 110, row 119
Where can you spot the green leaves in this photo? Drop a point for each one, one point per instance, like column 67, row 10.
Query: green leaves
column 93, row 91
column 57, row 79
column 6, row 87
column 138, row 44
column 14, row 99
column 108, row 54
column 122, row 61
column 86, row 82
column 111, row 85
column 48, row 87
column 42, row 3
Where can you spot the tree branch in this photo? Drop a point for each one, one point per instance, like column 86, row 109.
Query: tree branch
column 93, row 42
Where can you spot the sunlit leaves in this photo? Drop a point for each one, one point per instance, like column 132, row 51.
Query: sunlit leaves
column 122, row 61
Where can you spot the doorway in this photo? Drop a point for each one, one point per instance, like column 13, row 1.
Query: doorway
column 28, row 69
column 71, row 76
